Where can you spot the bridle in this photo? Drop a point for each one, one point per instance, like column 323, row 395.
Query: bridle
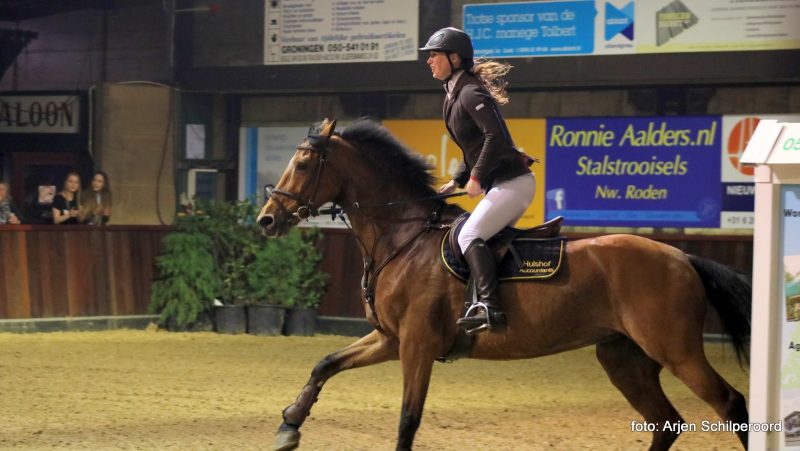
column 306, row 208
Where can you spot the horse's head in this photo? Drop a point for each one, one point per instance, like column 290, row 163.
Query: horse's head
column 304, row 186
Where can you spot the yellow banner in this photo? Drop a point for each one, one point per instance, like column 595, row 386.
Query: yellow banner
column 430, row 138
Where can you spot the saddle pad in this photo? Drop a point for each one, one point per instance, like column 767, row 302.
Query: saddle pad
column 526, row 259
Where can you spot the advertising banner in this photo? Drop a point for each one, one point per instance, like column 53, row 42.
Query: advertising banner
column 716, row 25
column 790, row 313
column 602, row 27
column 634, row 172
column 340, row 31
column 617, row 27
column 738, row 191
column 430, row 138
column 531, row 28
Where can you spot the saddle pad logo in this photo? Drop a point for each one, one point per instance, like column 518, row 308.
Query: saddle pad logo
column 532, row 259
column 673, row 20
column 536, row 266
column 525, row 259
column 619, row 21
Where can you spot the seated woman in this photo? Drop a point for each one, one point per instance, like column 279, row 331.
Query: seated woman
column 8, row 212
column 67, row 203
column 97, row 201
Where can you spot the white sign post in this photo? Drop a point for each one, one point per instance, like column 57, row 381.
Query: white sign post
column 774, row 358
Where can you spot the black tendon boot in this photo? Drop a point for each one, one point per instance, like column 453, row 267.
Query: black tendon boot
column 485, row 312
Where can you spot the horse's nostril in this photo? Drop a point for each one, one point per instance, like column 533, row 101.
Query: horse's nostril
column 266, row 221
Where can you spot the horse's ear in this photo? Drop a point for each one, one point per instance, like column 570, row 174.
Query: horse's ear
column 328, row 126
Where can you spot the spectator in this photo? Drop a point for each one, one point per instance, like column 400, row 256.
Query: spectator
column 67, row 203
column 96, row 208
column 8, row 212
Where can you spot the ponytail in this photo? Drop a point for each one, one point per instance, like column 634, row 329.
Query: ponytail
column 492, row 75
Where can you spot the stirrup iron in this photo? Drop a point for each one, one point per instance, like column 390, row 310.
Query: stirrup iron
column 478, row 311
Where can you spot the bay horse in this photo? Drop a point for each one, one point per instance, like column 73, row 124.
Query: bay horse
column 640, row 302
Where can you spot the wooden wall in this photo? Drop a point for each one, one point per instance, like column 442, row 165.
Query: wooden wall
column 342, row 260
column 55, row 271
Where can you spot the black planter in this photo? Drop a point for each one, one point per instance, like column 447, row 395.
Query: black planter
column 230, row 319
column 301, row 322
column 265, row 319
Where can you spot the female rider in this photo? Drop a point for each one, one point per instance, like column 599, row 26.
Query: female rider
column 492, row 165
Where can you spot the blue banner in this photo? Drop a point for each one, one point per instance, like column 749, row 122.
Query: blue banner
column 738, row 196
column 531, row 28
column 634, row 172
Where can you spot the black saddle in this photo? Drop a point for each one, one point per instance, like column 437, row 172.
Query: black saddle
column 499, row 243
column 521, row 254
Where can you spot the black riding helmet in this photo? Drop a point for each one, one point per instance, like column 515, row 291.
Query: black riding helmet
column 450, row 40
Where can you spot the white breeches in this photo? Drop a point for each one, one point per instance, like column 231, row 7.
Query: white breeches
column 502, row 206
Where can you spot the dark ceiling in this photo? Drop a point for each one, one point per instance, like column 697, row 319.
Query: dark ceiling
column 13, row 41
column 18, row 10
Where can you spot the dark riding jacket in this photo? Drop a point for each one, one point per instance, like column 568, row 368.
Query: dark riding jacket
column 476, row 125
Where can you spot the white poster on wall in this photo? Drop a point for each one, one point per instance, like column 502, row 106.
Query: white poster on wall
column 195, row 141
column 264, row 154
column 717, row 25
column 340, row 31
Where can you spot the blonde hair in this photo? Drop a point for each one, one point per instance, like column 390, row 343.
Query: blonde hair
column 492, row 75
column 77, row 193
column 8, row 192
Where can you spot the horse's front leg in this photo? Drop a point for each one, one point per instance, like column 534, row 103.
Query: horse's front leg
column 371, row 349
column 417, row 359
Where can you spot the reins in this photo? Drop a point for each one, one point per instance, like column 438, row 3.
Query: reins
column 370, row 276
column 336, row 210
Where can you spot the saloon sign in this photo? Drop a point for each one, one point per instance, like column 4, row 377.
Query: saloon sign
column 39, row 114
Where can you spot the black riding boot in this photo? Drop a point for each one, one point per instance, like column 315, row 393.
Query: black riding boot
column 485, row 312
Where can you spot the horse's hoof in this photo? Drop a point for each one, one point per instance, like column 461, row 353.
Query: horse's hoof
column 287, row 439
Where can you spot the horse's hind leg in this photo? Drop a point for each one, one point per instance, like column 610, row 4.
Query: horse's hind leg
column 636, row 376
column 371, row 349
column 705, row 382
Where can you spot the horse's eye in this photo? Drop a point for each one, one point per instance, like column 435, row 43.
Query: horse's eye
column 301, row 166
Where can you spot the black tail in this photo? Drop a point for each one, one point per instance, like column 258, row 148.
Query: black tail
column 730, row 292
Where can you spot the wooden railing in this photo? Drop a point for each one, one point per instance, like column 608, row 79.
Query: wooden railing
column 53, row 271
column 343, row 262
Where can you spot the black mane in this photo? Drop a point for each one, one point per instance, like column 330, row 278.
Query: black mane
column 388, row 155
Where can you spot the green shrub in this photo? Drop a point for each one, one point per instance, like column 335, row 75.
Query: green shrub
column 285, row 272
column 187, row 280
column 220, row 253
column 236, row 238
